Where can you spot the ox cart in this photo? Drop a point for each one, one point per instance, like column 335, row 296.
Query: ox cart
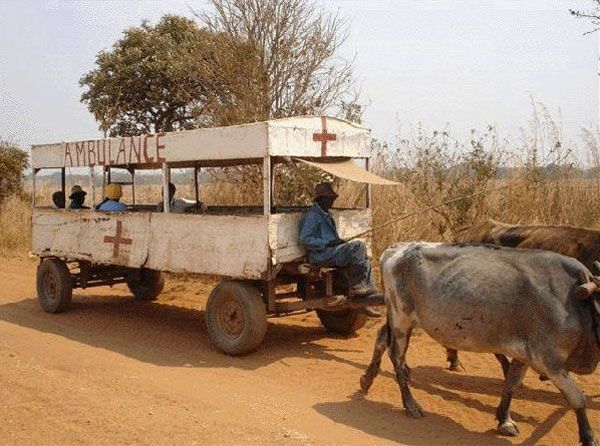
column 254, row 249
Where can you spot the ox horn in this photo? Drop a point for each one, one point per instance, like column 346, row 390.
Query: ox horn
column 586, row 290
column 587, row 287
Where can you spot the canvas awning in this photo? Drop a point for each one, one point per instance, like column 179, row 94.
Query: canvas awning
column 349, row 170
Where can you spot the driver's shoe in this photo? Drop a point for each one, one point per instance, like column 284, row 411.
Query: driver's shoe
column 362, row 290
column 371, row 312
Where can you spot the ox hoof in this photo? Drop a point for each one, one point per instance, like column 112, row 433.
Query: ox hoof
column 414, row 410
column 365, row 383
column 456, row 367
column 508, row 428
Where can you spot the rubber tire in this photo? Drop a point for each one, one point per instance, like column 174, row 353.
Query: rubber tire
column 149, row 287
column 63, row 284
column 252, row 306
column 344, row 322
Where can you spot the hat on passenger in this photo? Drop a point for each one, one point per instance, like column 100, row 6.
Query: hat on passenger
column 113, row 191
column 325, row 190
column 77, row 190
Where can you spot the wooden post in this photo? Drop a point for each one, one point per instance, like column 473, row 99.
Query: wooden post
column 166, row 180
column 63, row 181
column 33, row 187
column 266, row 175
column 103, row 183
column 196, row 170
column 132, row 172
column 93, row 186
column 368, row 196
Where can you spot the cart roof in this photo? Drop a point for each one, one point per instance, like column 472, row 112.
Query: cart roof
column 305, row 136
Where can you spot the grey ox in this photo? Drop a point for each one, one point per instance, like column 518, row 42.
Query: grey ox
column 483, row 298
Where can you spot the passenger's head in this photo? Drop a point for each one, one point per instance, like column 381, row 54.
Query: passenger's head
column 58, row 198
column 172, row 190
column 77, row 194
column 325, row 195
column 113, row 191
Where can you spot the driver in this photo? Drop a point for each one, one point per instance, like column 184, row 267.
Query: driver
column 319, row 235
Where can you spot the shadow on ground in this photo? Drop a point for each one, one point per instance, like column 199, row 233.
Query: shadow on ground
column 167, row 335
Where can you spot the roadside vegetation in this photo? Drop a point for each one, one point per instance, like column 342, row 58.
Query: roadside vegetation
column 222, row 69
column 535, row 180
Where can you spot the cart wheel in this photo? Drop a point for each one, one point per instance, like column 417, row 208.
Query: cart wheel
column 149, row 286
column 236, row 317
column 54, row 285
column 342, row 322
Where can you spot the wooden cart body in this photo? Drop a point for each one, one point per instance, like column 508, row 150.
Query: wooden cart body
column 258, row 245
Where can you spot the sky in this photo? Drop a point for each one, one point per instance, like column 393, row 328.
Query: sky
column 462, row 64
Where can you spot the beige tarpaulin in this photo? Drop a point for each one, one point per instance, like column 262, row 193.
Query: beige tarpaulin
column 349, row 170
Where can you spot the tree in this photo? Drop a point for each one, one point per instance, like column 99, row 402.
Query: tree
column 592, row 14
column 171, row 76
column 13, row 162
column 298, row 44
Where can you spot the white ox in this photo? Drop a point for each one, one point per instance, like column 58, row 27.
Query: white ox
column 519, row 303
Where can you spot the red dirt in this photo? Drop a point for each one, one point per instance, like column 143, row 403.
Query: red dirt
column 116, row 371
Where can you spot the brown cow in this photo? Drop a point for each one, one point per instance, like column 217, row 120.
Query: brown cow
column 582, row 244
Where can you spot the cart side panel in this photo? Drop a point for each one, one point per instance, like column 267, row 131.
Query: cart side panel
column 284, row 232
column 101, row 237
column 234, row 246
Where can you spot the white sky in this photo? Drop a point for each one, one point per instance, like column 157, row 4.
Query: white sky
column 466, row 63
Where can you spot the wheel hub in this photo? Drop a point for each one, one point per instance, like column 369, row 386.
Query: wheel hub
column 50, row 288
column 231, row 317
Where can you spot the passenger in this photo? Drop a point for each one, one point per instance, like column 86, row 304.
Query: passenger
column 176, row 205
column 77, row 198
column 111, row 203
column 58, row 198
column 319, row 235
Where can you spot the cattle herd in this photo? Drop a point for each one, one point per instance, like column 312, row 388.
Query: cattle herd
column 529, row 293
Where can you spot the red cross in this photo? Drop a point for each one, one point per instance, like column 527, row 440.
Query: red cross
column 323, row 137
column 117, row 240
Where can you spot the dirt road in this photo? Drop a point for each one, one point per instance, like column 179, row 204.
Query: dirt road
column 115, row 371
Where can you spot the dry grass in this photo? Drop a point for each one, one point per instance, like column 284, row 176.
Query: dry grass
column 15, row 227
column 432, row 168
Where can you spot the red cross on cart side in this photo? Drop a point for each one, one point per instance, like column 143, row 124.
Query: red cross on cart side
column 118, row 239
column 324, row 137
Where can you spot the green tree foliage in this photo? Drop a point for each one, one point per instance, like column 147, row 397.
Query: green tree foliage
column 13, row 162
column 171, row 76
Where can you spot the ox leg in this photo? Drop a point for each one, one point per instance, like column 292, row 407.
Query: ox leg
column 454, row 363
column 381, row 345
column 513, row 379
column 577, row 401
column 397, row 352
column 504, row 363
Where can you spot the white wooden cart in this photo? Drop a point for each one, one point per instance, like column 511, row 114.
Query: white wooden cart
column 255, row 250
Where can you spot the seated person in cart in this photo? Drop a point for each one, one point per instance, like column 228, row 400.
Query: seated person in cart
column 111, row 202
column 77, row 198
column 319, row 235
column 58, row 199
column 177, row 205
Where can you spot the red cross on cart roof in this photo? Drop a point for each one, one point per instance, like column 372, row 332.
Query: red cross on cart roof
column 324, row 137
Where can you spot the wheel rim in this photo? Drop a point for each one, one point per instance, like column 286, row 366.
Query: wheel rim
column 230, row 317
column 50, row 286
